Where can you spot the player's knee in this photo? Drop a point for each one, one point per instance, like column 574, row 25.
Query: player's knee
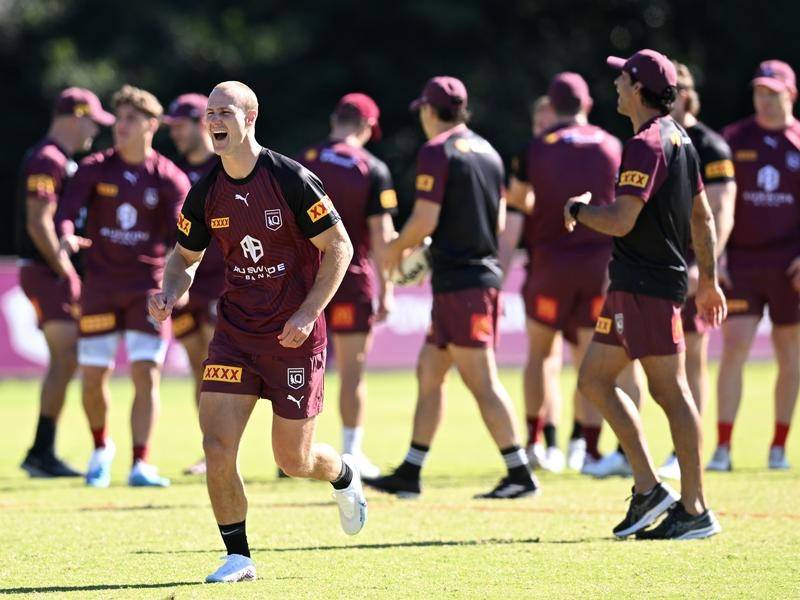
column 218, row 450
column 592, row 384
column 293, row 464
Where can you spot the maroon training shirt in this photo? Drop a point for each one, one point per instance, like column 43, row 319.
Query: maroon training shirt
column 263, row 224
column 130, row 211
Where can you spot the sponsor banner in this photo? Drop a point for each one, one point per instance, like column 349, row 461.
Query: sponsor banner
column 397, row 342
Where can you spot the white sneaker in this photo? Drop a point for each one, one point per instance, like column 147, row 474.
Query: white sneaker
column 236, row 568
column 777, row 458
column 98, row 473
column 608, row 466
column 146, row 475
column 576, row 454
column 554, row 460
column 366, row 468
column 721, row 460
column 351, row 500
column 536, row 455
column 670, row 469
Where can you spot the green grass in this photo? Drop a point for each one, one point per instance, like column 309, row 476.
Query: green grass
column 60, row 539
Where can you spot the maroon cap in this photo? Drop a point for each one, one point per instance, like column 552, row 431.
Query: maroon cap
column 365, row 107
column 565, row 89
column 190, row 106
column 776, row 75
column 654, row 70
column 81, row 102
column 442, row 92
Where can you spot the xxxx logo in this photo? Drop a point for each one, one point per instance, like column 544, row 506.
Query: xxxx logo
column 222, row 373
column 634, row 178
column 320, row 209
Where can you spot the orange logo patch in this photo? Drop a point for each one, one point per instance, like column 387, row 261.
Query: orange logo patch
column 81, row 110
column 184, row 224
column 552, row 138
column 388, row 199
column 220, row 223
column 98, row 323
column 425, row 183
column 746, row 155
column 546, row 308
column 603, row 325
column 737, row 306
column 719, row 168
column 481, row 328
column 107, row 189
column 343, row 315
column 677, row 329
column 222, row 373
column 634, row 179
column 42, row 184
column 320, row 209
column 311, row 154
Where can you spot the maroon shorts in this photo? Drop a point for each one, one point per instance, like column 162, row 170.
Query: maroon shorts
column 201, row 310
column 295, row 385
column 48, row 293
column 692, row 322
column 465, row 318
column 104, row 312
column 642, row 325
column 350, row 317
column 566, row 296
column 755, row 288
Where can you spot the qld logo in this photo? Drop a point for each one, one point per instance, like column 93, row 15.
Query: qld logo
column 273, row 219
column 252, row 248
column 126, row 216
column 296, row 377
column 768, row 178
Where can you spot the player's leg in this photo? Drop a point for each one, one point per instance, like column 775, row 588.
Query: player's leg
column 541, row 383
column 478, row 370
column 786, row 341
column 223, row 418
column 433, row 365
column 738, row 332
column 591, row 419
column 196, row 346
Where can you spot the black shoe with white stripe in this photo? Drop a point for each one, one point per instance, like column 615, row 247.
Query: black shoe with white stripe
column 396, row 485
column 510, row 489
column 680, row 525
column 646, row 508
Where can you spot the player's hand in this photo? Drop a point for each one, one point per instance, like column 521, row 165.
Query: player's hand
column 710, row 302
column 296, row 330
column 694, row 277
column 385, row 305
column 74, row 243
column 794, row 273
column 160, row 305
column 392, row 255
column 569, row 221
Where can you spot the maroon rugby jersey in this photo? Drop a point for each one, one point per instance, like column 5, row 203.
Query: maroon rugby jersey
column 263, row 224
column 130, row 212
column 566, row 161
column 766, row 230
column 209, row 280
column 360, row 186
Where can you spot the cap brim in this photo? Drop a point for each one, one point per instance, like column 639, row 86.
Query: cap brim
column 615, row 62
column 414, row 106
column 103, row 118
column 771, row 83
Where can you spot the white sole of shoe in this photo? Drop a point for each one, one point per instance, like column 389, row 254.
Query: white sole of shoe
column 700, row 534
column 649, row 517
column 246, row 575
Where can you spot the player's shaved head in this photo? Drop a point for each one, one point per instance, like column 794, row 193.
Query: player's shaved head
column 240, row 95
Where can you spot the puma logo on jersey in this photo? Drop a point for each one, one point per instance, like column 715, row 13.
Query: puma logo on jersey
column 295, row 400
column 131, row 178
column 242, row 198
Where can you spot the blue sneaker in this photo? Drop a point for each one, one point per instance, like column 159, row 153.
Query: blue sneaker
column 146, row 475
column 98, row 473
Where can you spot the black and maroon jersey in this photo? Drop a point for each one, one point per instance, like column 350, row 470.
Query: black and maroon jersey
column 262, row 224
column 716, row 161
column 462, row 171
column 660, row 166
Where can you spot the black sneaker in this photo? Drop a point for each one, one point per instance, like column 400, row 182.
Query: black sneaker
column 47, row 465
column 396, row 485
column 645, row 509
column 512, row 488
column 680, row 525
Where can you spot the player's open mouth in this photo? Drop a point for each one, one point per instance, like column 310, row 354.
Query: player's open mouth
column 220, row 135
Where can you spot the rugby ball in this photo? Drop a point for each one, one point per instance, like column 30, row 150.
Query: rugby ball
column 415, row 266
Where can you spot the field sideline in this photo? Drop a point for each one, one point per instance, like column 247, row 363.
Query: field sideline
column 63, row 540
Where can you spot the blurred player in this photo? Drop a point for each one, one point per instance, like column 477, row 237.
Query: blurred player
column 131, row 193
column 285, row 253
column 660, row 206
column 717, row 173
column 566, row 274
column 46, row 274
column 362, row 190
column 763, row 254
column 193, row 324
column 460, row 204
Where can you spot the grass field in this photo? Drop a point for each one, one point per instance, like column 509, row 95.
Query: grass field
column 60, row 539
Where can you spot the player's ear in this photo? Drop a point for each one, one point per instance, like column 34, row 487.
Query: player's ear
column 250, row 117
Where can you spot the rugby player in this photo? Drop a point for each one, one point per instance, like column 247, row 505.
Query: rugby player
column 285, row 252
column 46, row 274
column 364, row 195
column 660, row 204
column 763, row 254
column 717, row 173
column 460, row 204
column 193, row 323
column 130, row 192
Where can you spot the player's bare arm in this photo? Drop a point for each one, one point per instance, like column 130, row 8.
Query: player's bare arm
column 710, row 299
column 41, row 228
column 615, row 219
column 520, row 195
column 381, row 232
column 420, row 224
column 722, row 200
column 178, row 276
column 502, row 214
column 334, row 243
column 508, row 240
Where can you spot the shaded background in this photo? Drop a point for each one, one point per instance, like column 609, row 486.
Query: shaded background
column 301, row 56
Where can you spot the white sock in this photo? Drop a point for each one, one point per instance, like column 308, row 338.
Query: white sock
column 351, row 440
